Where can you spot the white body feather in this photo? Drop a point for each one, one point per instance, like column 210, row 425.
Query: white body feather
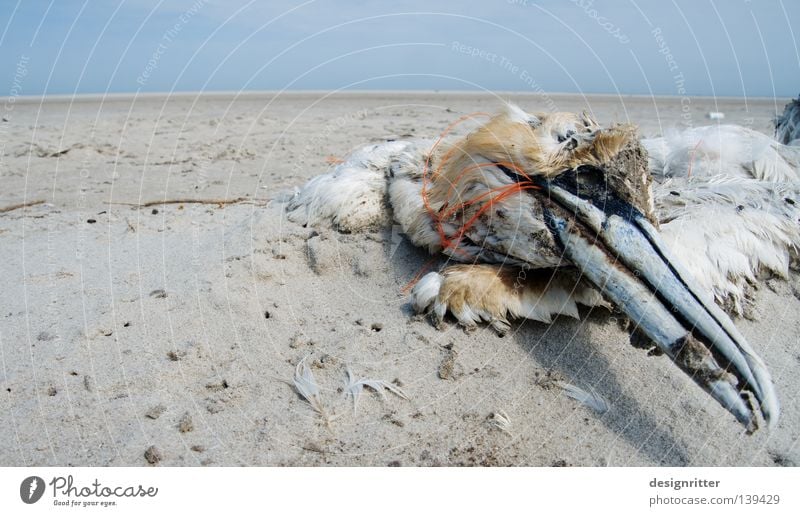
column 726, row 199
column 352, row 195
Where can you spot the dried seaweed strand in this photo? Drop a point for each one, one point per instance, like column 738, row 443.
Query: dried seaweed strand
column 21, row 205
column 187, row 201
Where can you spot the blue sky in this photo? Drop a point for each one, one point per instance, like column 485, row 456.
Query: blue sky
column 668, row 47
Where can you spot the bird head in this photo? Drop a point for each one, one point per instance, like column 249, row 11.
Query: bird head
column 557, row 189
column 547, row 143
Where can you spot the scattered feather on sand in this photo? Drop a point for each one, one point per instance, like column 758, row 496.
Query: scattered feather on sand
column 589, row 398
column 355, row 386
column 501, row 421
column 307, row 387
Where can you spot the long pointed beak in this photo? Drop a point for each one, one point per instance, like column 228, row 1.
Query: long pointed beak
column 621, row 253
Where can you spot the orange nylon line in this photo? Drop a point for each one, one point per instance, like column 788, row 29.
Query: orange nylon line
column 452, row 126
column 445, row 212
column 445, row 159
column 475, row 166
column 418, row 276
column 453, row 242
column 465, row 204
column 455, row 181
column 425, row 178
column 506, row 192
column 443, row 134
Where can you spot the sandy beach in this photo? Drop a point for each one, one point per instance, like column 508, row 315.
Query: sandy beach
column 135, row 333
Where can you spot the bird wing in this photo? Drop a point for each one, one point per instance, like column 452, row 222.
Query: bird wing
column 722, row 150
column 352, row 195
column 726, row 199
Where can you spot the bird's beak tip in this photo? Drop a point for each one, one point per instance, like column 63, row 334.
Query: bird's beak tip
column 620, row 252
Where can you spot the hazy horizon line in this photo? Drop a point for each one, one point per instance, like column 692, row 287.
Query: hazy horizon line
column 58, row 97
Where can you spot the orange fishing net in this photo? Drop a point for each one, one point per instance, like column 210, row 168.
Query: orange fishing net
column 449, row 208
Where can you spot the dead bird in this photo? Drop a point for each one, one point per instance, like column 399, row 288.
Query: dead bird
column 551, row 210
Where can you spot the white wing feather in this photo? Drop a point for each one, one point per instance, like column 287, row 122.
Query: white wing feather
column 352, row 196
column 726, row 198
column 722, row 150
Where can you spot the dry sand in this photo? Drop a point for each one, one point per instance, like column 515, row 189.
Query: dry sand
column 175, row 326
